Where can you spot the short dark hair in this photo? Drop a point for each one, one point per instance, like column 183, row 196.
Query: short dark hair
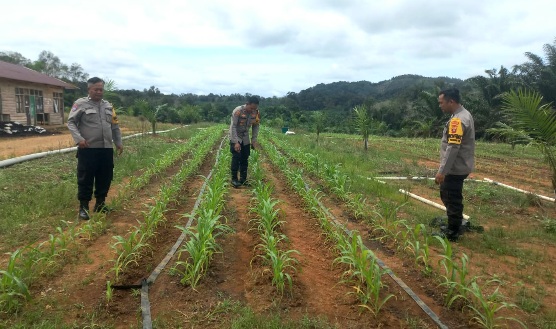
column 253, row 100
column 452, row 94
column 94, row 80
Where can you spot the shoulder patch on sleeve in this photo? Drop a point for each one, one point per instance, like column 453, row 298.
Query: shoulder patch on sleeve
column 114, row 117
column 455, row 131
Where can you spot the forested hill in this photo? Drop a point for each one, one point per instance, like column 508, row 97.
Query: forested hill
column 344, row 94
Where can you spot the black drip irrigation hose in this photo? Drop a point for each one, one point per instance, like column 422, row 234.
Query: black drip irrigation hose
column 394, row 277
column 145, row 283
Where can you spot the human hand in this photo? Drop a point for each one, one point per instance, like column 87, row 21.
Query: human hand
column 120, row 149
column 439, row 178
column 254, row 145
column 237, row 147
column 83, row 144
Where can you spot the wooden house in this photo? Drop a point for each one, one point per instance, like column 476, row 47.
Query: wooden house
column 30, row 97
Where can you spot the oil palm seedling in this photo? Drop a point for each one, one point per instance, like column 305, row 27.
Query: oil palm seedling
column 534, row 122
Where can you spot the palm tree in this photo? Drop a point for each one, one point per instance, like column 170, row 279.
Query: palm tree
column 540, row 73
column 363, row 123
column 529, row 118
column 149, row 111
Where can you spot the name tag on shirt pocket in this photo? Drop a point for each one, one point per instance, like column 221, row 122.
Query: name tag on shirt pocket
column 90, row 111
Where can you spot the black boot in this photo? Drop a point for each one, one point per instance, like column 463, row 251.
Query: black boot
column 100, row 206
column 243, row 179
column 235, row 182
column 84, row 210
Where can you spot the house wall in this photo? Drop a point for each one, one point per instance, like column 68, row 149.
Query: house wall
column 7, row 92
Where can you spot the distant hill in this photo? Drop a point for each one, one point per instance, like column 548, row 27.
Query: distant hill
column 344, row 94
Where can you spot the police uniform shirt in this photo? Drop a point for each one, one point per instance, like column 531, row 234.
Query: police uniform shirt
column 457, row 151
column 240, row 123
column 95, row 122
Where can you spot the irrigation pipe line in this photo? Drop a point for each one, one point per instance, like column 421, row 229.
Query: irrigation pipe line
column 429, row 202
column 394, row 277
column 145, row 283
column 488, row 180
column 12, row 161
column 420, row 178
column 484, row 180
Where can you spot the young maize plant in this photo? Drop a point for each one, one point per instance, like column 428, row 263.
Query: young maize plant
column 128, row 251
column 363, row 271
column 13, row 290
column 486, row 306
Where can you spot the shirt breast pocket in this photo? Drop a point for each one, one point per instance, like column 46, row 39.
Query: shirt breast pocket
column 90, row 115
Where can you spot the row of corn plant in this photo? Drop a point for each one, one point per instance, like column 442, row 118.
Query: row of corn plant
column 416, row 241
column 131, row 248
column 267, row 223
column 335, row 179
column 363, row 269
column 28, row 263
column 201, row 244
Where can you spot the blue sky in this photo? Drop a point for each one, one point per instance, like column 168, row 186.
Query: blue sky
column 270, row 48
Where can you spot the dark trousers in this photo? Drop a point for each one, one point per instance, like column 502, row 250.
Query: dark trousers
column 95, row 166
column 240, row 161
column 452, row 197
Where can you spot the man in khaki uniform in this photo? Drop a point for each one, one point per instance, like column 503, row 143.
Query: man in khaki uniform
column 243, row 117
column 457, row 159
column 94, row 127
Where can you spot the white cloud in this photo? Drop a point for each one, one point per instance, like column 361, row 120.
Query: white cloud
column 271, row 48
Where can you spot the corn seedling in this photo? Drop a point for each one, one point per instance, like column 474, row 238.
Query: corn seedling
column 371, row 284
column 128, row 251
column 486, row 307
column 13, row 290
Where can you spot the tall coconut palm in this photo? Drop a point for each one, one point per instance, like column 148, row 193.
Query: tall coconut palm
column 534, row 120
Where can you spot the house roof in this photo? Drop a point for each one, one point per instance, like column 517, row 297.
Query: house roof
column 22, row 73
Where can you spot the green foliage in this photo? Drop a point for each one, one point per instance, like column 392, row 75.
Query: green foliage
column 536, row 121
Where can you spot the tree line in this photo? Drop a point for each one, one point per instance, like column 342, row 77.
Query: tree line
column 405, row 105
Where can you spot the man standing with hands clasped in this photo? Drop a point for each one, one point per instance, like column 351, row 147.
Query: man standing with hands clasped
column 243, row 117
column 457, row 159
column 94, row 126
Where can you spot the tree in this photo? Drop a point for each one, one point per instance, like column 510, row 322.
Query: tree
column 539, row 73
column 149, row 111
column 363, row 123
column 538, row 122
column 14, row 58
column 189, row 114
column 319, row 119
column 49, row 64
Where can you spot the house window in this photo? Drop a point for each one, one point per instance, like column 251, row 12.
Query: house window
column 22, row 100
column 58, row 102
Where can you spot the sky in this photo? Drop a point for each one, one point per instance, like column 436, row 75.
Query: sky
column 269, row 48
